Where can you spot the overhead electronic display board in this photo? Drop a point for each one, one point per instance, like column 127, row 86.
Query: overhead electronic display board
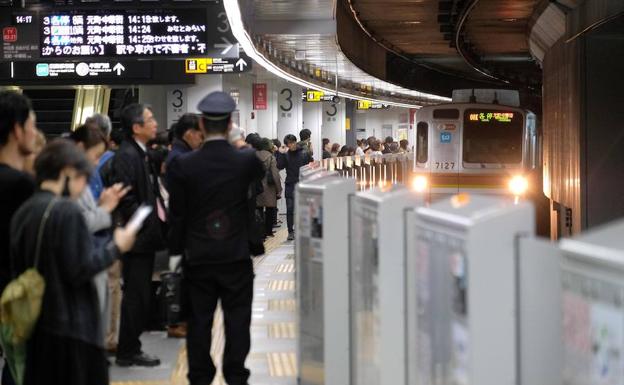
column 124, row 33
column 171, row 31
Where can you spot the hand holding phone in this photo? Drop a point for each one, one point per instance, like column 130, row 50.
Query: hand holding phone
column 136, row 222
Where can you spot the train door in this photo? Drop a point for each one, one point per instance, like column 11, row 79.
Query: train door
column 445, row 161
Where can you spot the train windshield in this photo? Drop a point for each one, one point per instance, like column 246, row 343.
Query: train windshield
column 493, row 136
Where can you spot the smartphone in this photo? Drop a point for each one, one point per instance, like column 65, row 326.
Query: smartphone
column 136, row 222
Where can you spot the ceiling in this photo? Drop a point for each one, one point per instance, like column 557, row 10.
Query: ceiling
column 411, row 51
column 283, row 28
column 494, row 34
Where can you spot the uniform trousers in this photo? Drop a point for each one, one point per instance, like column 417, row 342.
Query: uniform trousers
column 232, row 283
column 136, row 270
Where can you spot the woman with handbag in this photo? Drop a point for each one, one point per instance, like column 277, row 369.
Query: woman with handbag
column 66, row 344
column 271, row 183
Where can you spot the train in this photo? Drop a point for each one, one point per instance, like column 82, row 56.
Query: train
column 483, row 142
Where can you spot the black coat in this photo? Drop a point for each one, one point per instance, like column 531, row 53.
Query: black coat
column 68, row 262
column 208, row 202
column 132, row 167
column 178, row 147
column 292, row 161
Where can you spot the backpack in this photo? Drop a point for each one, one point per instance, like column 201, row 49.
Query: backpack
column 20, row 307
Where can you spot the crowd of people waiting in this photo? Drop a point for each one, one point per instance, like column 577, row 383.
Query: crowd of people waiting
column 64, row 209
column 370, row 146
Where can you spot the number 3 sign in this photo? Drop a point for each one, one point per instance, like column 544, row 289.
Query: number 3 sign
column 176, row 104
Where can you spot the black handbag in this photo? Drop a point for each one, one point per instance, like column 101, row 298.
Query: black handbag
column 172, row 296
column 255, row 229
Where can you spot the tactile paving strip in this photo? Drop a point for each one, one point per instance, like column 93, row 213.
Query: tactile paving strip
column 282, row 364
column 281, row 285
column 282, row 305
column 285, row 268
column 282, row 330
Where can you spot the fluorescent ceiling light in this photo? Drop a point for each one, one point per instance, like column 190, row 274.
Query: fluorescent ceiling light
column 233, row 11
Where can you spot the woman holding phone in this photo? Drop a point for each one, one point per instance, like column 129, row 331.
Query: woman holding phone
column 66, row 345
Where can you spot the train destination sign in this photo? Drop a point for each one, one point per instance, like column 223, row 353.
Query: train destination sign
column 491, row 116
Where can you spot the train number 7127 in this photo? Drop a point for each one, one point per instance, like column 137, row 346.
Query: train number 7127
column 445, row 165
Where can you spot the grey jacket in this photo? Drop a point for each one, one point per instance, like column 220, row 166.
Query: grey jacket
column 96, row 217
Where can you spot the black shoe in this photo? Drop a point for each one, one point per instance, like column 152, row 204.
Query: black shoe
column 141, row 359
column 291, row 237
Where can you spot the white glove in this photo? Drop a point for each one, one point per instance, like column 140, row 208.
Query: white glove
column 174, row 261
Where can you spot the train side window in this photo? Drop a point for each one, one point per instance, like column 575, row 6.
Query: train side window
column 422, row 142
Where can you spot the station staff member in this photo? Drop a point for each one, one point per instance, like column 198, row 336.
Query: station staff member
column 209, row 218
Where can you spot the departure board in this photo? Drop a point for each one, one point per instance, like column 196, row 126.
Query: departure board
column 124, row 33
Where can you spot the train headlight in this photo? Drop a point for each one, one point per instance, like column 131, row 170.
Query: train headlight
column 420, row 183
column 518, row 185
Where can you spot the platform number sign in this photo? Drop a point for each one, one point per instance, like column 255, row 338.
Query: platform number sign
column 224, row 25
column 333, row 110
column 286, row 104
column 176, row 104
column 446, row 137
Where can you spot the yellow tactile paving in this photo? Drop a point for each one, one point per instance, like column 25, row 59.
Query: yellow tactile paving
column 285, row 268
column 282, row 330
column 282, row 305
column 282, row 285
column 282, row 364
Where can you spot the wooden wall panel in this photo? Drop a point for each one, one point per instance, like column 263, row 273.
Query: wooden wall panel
column 562, row 129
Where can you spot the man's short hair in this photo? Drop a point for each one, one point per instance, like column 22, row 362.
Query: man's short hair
column 102, row 122
column 15, row 108
column 185, row 123
column 325, row 142
column 131, row 115
column 290, row 138
column 117, row 136
column 305, row 134
column 215, row 126
column 389, row 139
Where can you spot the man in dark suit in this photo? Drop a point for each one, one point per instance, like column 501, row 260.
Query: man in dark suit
column 186, row 137
column 131, row 167
column 209, row 222
column 292, row 157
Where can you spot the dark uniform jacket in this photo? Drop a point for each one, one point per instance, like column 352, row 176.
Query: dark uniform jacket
column 178, row 147
column 131, row 167
column 292, row 161
column 68, row 263
column 209, row 204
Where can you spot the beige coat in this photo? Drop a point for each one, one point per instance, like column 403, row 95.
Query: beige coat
column 269, row 197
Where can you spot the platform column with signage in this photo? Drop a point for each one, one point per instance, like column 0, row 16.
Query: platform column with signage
column 289, row 109
column 322, row 260
column 334, row 122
